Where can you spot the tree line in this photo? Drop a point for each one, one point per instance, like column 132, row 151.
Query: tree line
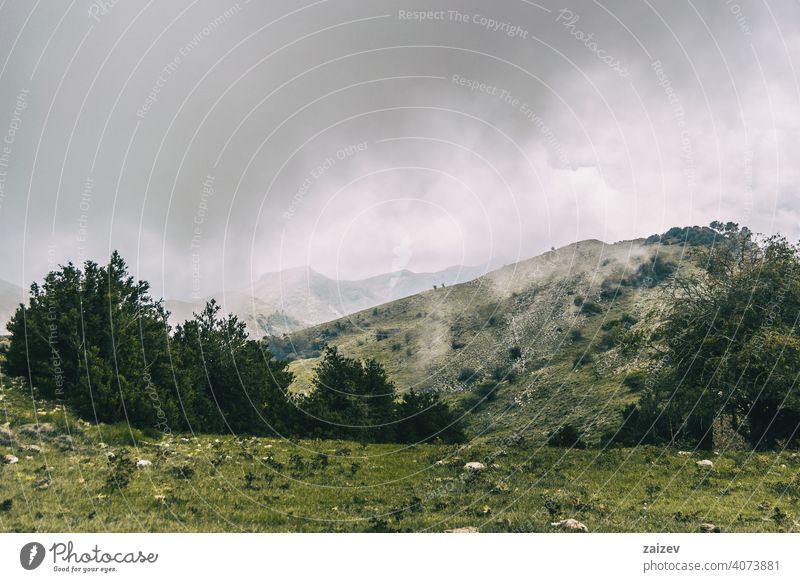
column 96, row 340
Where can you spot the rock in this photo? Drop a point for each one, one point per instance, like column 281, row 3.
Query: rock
column 570, row 524
column 684, row 453
column 42, row 483
column 709, row 528
column 475, row 467
column 32, row 448
column 143, row 463
column 462, row 530
column 10, row 459
column 6, row 436
column 42, row 429
column 705, row 463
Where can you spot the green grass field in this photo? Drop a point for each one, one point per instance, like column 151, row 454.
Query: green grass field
column 214, row 483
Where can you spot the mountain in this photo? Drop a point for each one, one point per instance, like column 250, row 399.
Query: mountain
column 293, row 299
column 522, row 349
column 10, row 297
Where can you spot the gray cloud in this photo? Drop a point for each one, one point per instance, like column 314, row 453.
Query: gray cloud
column 213, row 141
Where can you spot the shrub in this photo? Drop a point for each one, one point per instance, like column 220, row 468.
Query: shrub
column 121, row 470
column 467, row 375
column 589, row 307
column 582, row 359
column 566, row 436
column 635, row 381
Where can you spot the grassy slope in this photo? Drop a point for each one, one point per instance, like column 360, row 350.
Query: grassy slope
column 201, row 484
column 435, row 337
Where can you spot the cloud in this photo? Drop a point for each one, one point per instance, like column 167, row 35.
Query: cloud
column 346, row 137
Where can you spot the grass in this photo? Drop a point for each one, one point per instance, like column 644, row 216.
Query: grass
column 209, row 483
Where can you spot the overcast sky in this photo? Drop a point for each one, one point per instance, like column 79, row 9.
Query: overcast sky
column 212, row 141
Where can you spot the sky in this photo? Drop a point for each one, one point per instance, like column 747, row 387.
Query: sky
column 211, row 141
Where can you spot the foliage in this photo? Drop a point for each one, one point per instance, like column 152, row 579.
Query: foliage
column 566, row 436
column 356, row 400
column 235, row 383
column 727, row 348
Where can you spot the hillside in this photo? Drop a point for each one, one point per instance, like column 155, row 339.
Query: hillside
column 292, row 299
column 522, row 349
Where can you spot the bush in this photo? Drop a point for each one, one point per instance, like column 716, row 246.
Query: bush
column 582, row 359
column 635, row 381
column 566, row 436
column 589, row 307
column 467, row 375
column 515, row 353
column 120, row 470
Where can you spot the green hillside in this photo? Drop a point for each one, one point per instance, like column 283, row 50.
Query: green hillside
column 523, row 349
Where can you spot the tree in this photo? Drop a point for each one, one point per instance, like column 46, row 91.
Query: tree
column 356, row 400
column 424, row 417
column 96, row 340
column 727, row 344
column 236, row 385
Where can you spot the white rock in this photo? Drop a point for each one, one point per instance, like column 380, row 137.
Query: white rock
column 684, row 453
column 570, row 524
column 462, row 530
column 705, row 463
column 475, row 467
column 143, row 463
column 10, row 459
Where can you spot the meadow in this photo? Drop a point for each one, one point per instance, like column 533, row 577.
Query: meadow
column 66, row 474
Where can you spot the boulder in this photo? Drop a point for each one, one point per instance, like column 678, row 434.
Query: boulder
column 462, row 530
column 705, row 463
column 570, row 525
column 475, row 467
column 143, row 463
column 32, row 448
column 709, row 528
column 10, row 459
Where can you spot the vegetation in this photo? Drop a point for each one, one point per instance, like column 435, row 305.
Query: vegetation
column 576, row 384
column 208, row 483
column 356, row 400
column 95, row 340
column 726, row 349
